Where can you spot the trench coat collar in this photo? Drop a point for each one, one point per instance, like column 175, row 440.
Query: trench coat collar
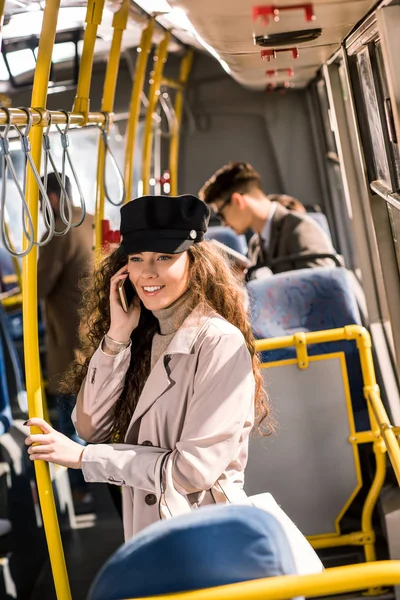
column 159, row 380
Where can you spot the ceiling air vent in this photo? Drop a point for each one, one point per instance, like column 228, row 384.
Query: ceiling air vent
column 287, row 37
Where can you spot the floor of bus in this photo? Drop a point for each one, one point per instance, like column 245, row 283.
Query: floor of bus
column 86, row 549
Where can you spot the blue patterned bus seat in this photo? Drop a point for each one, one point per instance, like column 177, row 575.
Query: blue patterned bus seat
column 310, row 300
column 210, row 547
column 228, row 237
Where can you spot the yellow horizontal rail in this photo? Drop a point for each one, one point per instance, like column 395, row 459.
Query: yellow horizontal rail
column 41, row 117
column 350, row 332
column 14, row 300
column 172, row 83
column 371, row 390
column 332, row 581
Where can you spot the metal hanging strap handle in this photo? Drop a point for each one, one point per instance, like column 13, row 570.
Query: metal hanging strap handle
column 7, row 164
column 65, row 200
column 66, row 156
column 26, row 149
column 104, row 130
column 170, row 115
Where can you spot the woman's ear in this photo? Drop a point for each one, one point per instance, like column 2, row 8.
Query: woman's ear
column 238, row 200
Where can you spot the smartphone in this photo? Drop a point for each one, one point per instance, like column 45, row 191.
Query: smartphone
column 126, row 293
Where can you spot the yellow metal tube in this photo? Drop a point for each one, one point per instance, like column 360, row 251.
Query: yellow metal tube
column 154, row 91
column 171, row 83
column 2, row 4
column 380, row 423
column 186, row 65
column 11, row 301
column 120, row 21
column 94, row 14
column 372, row 498
column 30, row 306
column 332, row 581
column 387, row 432
column 19, row 117
column 135, row 103
column 356, row 538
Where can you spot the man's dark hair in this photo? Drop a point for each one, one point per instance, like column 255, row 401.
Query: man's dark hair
column 54, row 187
column 233, row 177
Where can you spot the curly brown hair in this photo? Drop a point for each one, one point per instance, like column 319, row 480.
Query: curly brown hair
column 212, row 286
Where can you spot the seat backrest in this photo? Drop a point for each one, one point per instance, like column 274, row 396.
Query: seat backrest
column 217, row 545
column 228, row 237
column 322, row 221
column 299, row 463
column 310, row 300
column 302, row 300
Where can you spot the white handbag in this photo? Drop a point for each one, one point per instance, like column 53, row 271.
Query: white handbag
column 173, row 504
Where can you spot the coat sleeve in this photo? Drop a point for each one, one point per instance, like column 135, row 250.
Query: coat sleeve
column 218, row 410
column 101, row 388
column 307, row 237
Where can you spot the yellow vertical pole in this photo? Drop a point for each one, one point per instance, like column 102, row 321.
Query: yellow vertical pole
column 94, row 14
column 30, row 306
column 2, row 4
column 120, row 21
column 186, row 66
column 134, row 108
column 154, row 91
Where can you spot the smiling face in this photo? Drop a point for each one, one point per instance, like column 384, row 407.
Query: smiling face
column 159, row 279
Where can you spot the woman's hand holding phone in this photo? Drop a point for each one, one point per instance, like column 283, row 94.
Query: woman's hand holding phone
column 122, row 322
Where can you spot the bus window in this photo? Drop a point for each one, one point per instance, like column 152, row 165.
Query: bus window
column 394, row 217
column 382, row 172
column 393, row 141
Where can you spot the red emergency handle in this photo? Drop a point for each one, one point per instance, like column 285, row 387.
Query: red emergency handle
column 271, row 10
column 271, row 52
column 275, row 72
column 110, row 236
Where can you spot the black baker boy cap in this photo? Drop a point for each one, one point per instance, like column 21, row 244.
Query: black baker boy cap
column 169, row 224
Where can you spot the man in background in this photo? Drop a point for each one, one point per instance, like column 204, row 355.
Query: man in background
column 283, row 240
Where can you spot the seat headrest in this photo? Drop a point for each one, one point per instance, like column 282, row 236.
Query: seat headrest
column 302, row 300
column 228, row 237
column 213, row 546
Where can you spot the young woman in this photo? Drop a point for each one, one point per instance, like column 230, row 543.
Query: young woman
column 175, row 378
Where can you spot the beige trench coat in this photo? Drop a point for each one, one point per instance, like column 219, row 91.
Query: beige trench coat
column 198, row 402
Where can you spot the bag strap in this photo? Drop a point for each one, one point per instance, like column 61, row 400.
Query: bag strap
column 172, row 504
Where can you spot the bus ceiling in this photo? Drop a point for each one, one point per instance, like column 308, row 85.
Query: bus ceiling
column 260, row 45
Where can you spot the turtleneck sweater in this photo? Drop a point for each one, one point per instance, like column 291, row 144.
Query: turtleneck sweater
column 170, row 319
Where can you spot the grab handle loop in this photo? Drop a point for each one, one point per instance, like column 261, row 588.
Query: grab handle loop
column 104, row 130
column 48, row 210
column 65, row 200
column 7, row 164
column 170, row 115
column 66, row 156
